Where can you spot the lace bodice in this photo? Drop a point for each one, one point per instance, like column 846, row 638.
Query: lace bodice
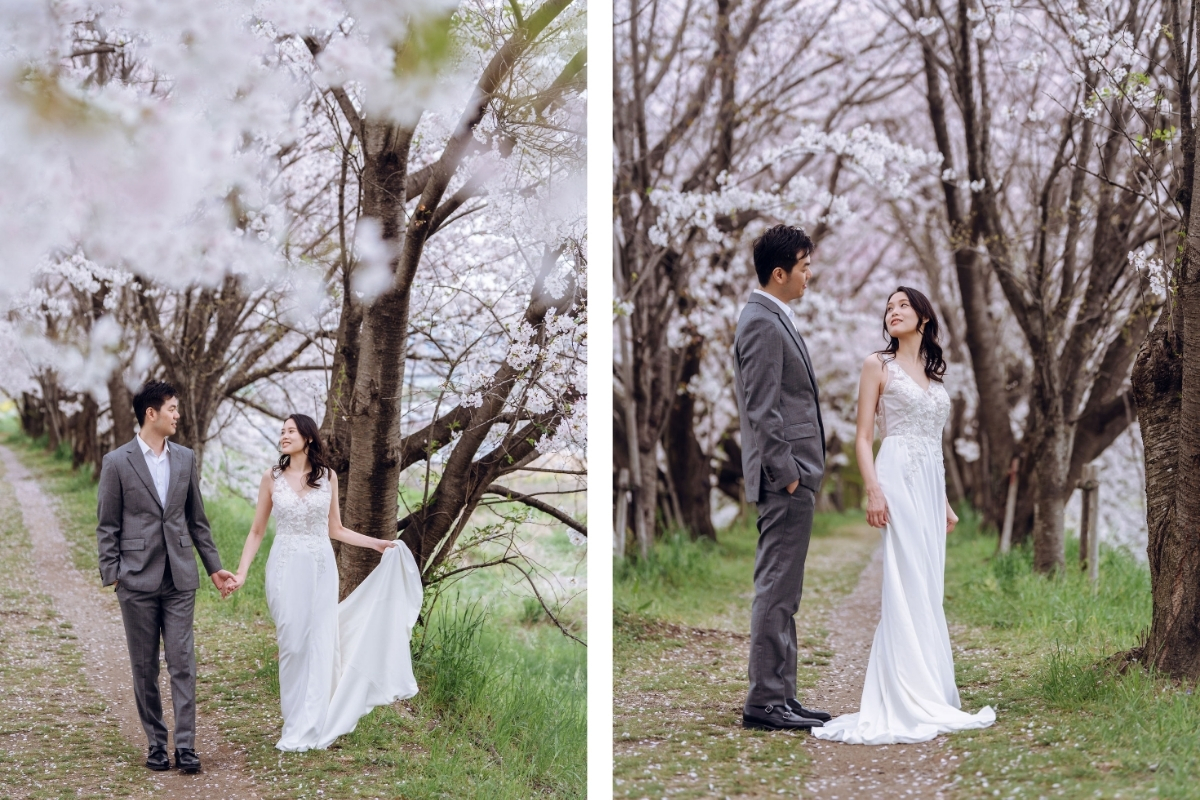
column 905, row 409
column 301, row 522
column 301, row 515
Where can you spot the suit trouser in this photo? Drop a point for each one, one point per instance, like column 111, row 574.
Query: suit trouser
column 167, row 613
column 784, row 528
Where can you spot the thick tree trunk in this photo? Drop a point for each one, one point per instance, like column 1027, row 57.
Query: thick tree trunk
column 335, row 427
column 55, row 422
column 687, row 464
column 120, row 405
column 1050, row 492
column 1166, row 390
column 374, row 424
column 33, row 415
column 1166, row 386
column 1157, row 390
column 85, row 439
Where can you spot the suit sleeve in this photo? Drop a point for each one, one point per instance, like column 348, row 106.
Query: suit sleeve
column 109, row 511
column 760, row 353
column 198, row 524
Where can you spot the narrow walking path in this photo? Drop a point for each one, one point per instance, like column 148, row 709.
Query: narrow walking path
column 96, row 620
column 861, row 772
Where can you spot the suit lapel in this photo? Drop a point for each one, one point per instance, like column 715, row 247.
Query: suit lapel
column 176, row 476
column 138, row 460
column 787, row 323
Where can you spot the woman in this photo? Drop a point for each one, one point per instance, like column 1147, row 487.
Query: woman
column 336, row 661
column 909, row 694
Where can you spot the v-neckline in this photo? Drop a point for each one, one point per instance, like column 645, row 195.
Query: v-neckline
column 288, row 483
column 914, row 380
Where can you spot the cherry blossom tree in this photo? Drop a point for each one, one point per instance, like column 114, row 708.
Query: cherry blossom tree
column 388, row 198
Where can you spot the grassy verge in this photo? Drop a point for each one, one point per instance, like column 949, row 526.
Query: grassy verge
column 56, row 737
column 502, row 708
column 1070, row 724
column 681, row 620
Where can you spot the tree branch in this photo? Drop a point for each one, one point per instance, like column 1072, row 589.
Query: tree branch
column 533, row 502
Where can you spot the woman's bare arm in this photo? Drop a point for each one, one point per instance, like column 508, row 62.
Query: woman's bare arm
column 258, row 529
column 343, row 534
column 870, row 385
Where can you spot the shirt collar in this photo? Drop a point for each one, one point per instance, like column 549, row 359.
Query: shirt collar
column 786, row 308
column 148, row 450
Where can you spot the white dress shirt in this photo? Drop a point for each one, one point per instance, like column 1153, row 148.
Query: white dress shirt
column 159, row 466
column 786, row 308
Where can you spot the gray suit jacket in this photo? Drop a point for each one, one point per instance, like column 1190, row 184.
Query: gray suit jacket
column 783, row 437
column 136, row 535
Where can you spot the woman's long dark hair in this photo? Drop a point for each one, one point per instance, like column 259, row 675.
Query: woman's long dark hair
column 309, row 431
column 931, row 351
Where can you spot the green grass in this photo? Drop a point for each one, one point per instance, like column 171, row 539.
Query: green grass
column 681, row 624
column 703, row 583
column 1070, row 723
column 502, row 707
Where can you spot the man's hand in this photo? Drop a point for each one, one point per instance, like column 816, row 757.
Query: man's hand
column 221, row 579
column 233, row 584
column 793, row 486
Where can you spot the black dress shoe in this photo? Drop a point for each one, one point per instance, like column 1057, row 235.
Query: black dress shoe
column 157, row 758
column 777, row 718
column 799, row 710
column 187, row 760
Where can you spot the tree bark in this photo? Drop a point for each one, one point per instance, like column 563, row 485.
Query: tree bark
column 374, row 469
column 687, row 464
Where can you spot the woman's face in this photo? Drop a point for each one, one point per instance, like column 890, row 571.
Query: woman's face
column 290, row 440
column 900, row 317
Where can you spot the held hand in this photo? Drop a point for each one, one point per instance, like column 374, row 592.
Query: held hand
column 221, row 579
column 951, row 519
column 877, row 510
column 382, row 545
column 233, row 584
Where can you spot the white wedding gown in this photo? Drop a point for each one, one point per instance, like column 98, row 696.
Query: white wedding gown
column 909, row 694
column 337, row 661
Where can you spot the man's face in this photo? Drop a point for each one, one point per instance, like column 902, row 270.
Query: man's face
column 164, row 420
column 793, row 284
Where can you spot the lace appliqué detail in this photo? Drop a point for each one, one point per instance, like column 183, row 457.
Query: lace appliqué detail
column 918, row 415
column 301, row 522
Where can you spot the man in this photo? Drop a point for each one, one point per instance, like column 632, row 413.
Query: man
column 783, row 458
column 150, row 516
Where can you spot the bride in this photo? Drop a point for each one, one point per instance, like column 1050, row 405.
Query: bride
column 336, row 661
column 909, row 694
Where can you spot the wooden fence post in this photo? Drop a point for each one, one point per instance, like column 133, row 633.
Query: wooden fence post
column 1089, row 527
column 1010, row 507
column 622, row 513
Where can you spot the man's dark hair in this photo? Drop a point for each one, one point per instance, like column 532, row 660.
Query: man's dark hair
column 152, row 395
column 781, row 246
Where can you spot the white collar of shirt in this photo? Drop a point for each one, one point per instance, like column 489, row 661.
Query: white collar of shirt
column 148, row 451
column 786, row 308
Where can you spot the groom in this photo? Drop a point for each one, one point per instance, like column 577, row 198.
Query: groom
column 150, row 518
column 783, row 458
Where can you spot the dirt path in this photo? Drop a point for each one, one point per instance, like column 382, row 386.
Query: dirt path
column 858, row 772
column 96, row 620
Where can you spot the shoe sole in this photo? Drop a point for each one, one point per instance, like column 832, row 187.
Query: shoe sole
column 762, row 726
column 158, row 769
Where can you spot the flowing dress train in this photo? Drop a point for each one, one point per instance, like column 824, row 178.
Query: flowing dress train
column 337, row 661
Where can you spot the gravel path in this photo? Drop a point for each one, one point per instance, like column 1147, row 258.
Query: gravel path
column 861, row 772
column 95, row 619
